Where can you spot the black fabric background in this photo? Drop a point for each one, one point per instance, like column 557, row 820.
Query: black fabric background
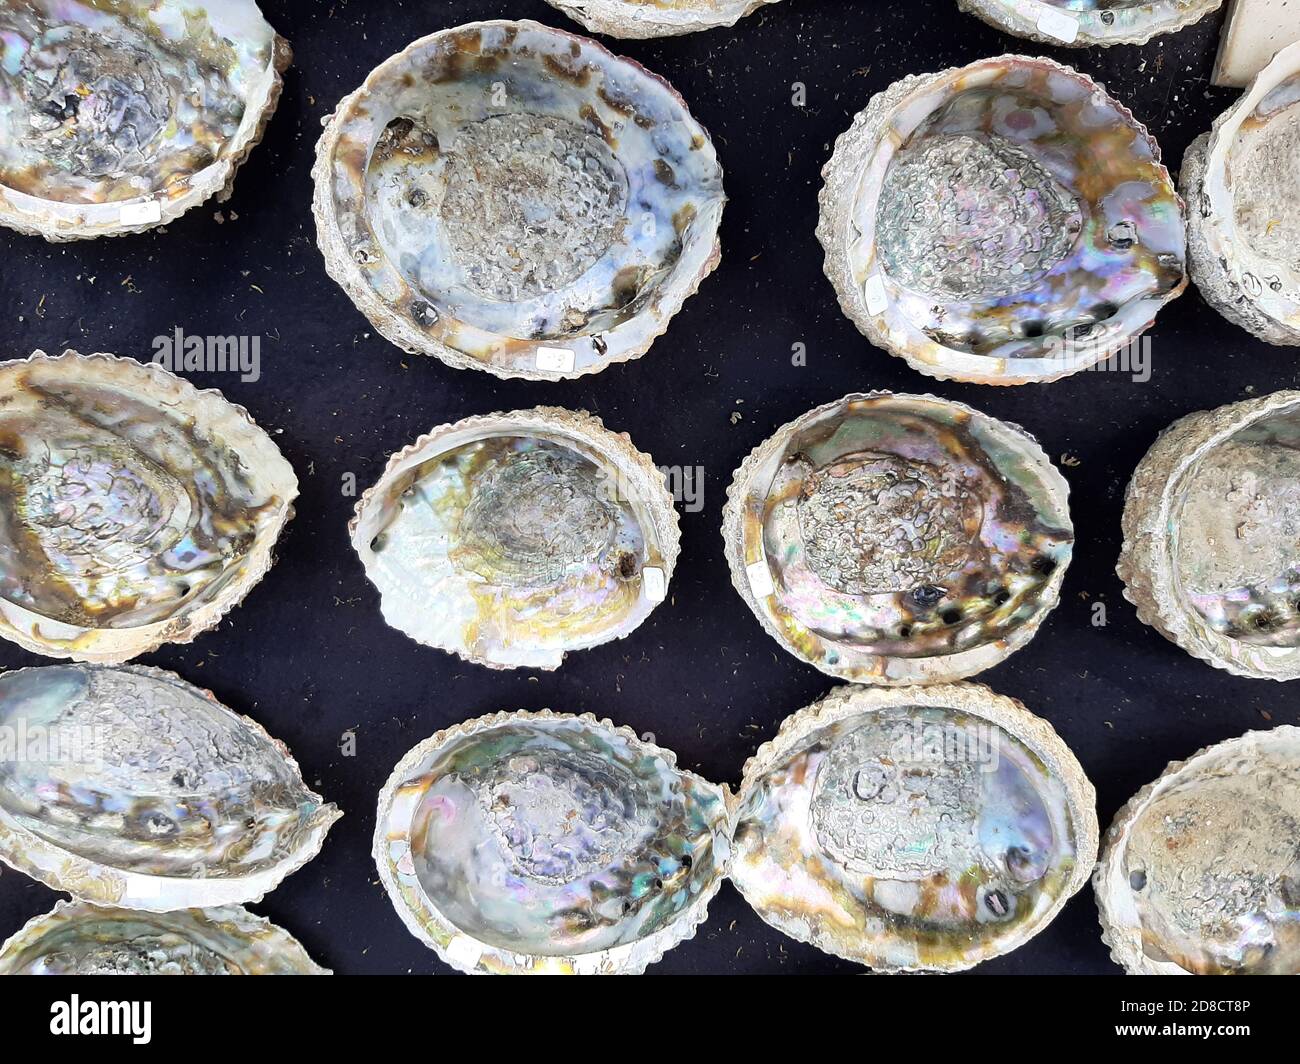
column 308, row 654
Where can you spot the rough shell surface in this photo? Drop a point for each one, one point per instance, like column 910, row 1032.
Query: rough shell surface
column 81, row 939
column 1003, row 223
column 512, row 539
column 1085, row 23
column 515, row 199
column 117, row 116
column 136, row 510
column 914, row 829
column 656, row 18
column 1244, row 213
column 541, row 843
column 1198, row 873
column 1211, row 554
column 128, row 787
column 899, row 539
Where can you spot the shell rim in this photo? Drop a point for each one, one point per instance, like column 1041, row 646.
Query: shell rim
column 1211, row 245
column 1122, row 949
column 842, row 176
column 65, row 912
column 1146, row 566
column 945, row 668
column 257, row 563
column 1020, row 19
column 397, row 328
column 617, row 18
column 629, row 959
column 216, row 180
column 28, row 853
column 978, row 700
column 616, row 448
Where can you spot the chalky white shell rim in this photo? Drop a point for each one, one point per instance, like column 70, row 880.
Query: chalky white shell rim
column 467, row 954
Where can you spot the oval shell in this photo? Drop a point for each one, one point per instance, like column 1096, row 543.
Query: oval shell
column 118, row 117
column 136, row 511
column 514, row 538
column 1198, row 873
column 546, row 843
column 915, row 829
column 1087, row 23
column 515, row 199
column 656, row 18
column 1244, row 227
column 1003, row 223
column 898, row 539
column 128, row 787
column 81, row 939
column 1211, row 527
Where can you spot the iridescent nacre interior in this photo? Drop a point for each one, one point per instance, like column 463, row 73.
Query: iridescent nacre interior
column 108, row 100
column 511, row 549
column 907, row 837
column 125, row 499
column 89, row 940
column 559, row 837
column 1022, row 210
column 501, row 184
column 1212, row 861
column 1235, row 533
column 904, row 527
column 133, row 770
column 1262, row 179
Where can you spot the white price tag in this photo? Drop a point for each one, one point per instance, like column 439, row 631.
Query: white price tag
column 760, row 579
column 556, row 359
column 655, row 583
column 877, row 297
column 146, row 212
column 464, row 951
column 1059, row 25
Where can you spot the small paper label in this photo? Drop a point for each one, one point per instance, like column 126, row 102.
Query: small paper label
column 877, row 297
column 464, row 951
column 146, row 212
column 1058, row 24
column 556, row 359
column 144, row 887
column 760, row 579
column 655, row 583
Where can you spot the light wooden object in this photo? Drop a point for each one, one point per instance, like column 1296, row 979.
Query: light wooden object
column 1255, row 31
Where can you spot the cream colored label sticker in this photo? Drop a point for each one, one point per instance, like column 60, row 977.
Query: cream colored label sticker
column 464, row 951
column 143, row 887
column 556, row 360
column 760, row 579
column 877, row 297
column 1058, row 24
column 147, row 212
column 655, row 583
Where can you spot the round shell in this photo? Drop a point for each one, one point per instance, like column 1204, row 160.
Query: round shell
column 80, row 939
column 899, row 539
column 128, row 787
column 136, row 510
column 545, row 843
column 515, row 199
column 1085, row 23
column 1211, row 525
column 1198, row 872
column 116, row 117
column 1002, row 223
column 1244, row 228
column 656, row 18
column 916, row 829
column 514, row 538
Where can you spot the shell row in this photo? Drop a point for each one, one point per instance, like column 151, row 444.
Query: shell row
column 516, row 199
